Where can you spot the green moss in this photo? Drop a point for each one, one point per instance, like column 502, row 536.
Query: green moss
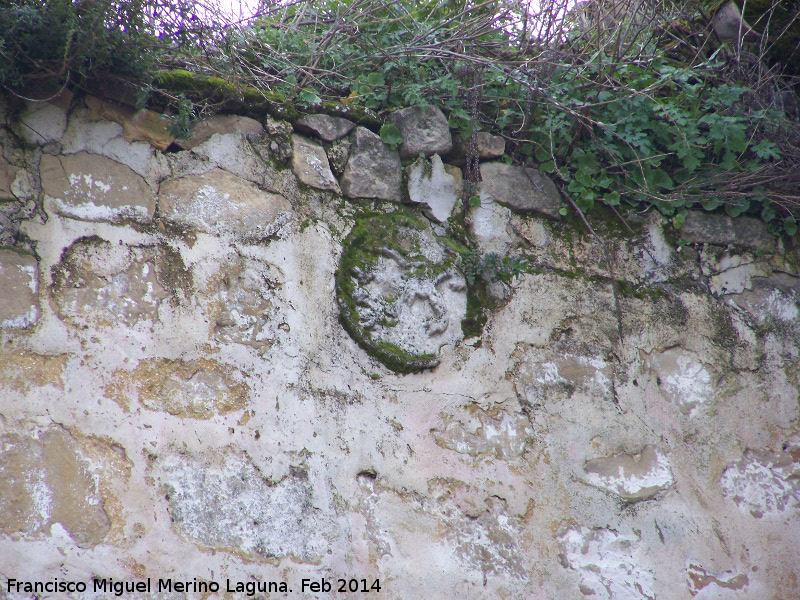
column 357, row 114
column 16, row 250
column 372, row 235
column 225, row 95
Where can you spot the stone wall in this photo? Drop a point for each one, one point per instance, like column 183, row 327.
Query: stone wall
column 238, row 359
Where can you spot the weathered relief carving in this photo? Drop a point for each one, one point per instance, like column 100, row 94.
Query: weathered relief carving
column 400, row 295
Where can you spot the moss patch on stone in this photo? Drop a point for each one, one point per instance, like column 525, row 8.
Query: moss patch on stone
column 224, row 95
column 375, row 235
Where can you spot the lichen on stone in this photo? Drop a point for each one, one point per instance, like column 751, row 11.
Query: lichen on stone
column 400, row 296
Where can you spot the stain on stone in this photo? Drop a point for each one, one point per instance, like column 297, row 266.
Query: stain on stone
column 46, row 480
column 493, row 430
column 699, row 579
column 19, row 280
column 631, row 477
column 536, row 378
column 198, row 389
column 106, row 284
column 225, row 503
column 682, row 378
column 765, row 483
column 608, row 563
column 21, row 370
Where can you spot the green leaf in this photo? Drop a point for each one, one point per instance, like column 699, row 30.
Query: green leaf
column 659, row 178
column 737, row 207
column 547, row 167
column 711, row 203
column 309, row 97
column 474, row 201
column 563, row 211
column 790, row 225
column 391, row 135
column 766, row 150
column 612, row 198
column 768, row 213
column 375, row 79
column 680, row 218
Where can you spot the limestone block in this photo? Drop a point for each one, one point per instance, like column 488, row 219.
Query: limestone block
column 222, row 125
column 46, row 480
column 495, row 431
column 137, row 125
column 490, row 224
column 325, row 127
column 19, row 282
column 226, row 503
column 197, row 389
column 104, row 285
column 7, row 174
column 729, row 24
column 608, row 563
column 489, row 147
column 431, row 183
column 424, row 130
column 94, row 188
column 631, row 477
column 519, row 188
column 220, row 203
column 776, row 297
column 373, row 169
column 765, row 483
column 310, row 164
column 40, row 123
column 683, row 378
column 703, row 227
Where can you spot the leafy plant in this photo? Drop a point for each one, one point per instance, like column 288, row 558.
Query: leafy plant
column 492, row 267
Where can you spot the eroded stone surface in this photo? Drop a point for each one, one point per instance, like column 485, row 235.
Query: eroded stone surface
column 710, row 586
column 424, row 130
column 721, row 229
column 397, row 286
column 109, row 284
column 221, row 203
column 41, row 122
column 19, row 281
column 325, row 127
column 222, row 125
column 489, row 147
column 137, row 125
column 682, row 378
column 198, row 389
column 537, row 379
column 495, row 430
column 373, row 169
column 519, row 188
column 607, row 562
column 431, row 183
column 310, row 164
column 95, row 188
column 227, row 504
column 631, row 477
column 7, row 174
column 765, row 483
column 44, row 480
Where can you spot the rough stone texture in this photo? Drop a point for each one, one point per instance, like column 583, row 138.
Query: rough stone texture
column 198, row 389
column 45, row 482
column 91, row 187
column 373, row 169
column 632, row 478
column 338, row 155
column 19, row 280
column 325, row 127
column 137, row 125
column 489, row 147
column 7, row 174
column 227, row 504
column 40, row 123
column 220, row 203
column 310, row 164
column 519, row 188
column 189, row 404
column 703, row 227
column 431, row 183
column 221, row 125
column 424, row 130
